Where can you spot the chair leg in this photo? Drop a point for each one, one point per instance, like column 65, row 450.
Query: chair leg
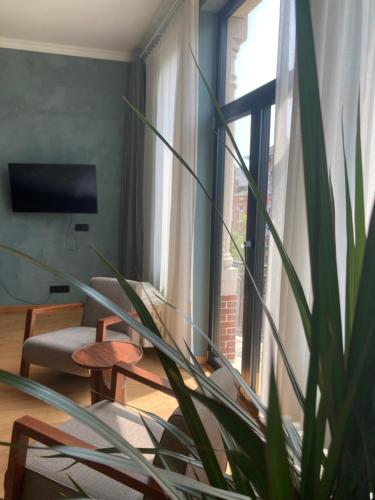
column 24, row 368
column 13, row 480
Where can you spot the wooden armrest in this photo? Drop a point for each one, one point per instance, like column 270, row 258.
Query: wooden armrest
column 46, row 434
column 27, row 428
column 34, row 311
column 142, row 376
column 103, row 323
column 110, row 320
column 55, row 307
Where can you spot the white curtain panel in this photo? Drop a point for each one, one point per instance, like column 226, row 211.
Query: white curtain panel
column 345, row 49
column 169, row 190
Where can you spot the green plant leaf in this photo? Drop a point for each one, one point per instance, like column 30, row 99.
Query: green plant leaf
column 245, row 466
column 360, row 222
column 166, row 464
column 279, row 481
column 172, row 454
column 194, row 360
column 310, row 460
column 313, row 442
column 293, row 440
column 356, row 237
column 241, row 480
column 351, row 286
column 79, row 489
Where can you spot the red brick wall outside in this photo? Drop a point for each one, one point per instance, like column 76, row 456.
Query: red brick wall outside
column 239, row 212
column 228, row 326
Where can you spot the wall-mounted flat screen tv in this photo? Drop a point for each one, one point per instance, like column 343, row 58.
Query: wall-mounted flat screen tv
column 53, row 188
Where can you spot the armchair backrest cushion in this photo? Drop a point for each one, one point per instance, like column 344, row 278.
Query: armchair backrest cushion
column 113, row 291
column 227, row 383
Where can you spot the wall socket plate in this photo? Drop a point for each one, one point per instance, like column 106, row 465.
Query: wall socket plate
column 59, row 289
column 81, row 227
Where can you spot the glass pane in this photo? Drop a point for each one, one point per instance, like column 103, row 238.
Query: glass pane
column 267, row 256
column 252, row 41
column 232, row 269
column 269, row 197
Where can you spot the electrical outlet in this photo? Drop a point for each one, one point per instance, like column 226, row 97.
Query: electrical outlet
column 59, row 289
column 81, row 227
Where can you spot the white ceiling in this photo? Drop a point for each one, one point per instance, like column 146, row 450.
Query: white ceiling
column 108, row 29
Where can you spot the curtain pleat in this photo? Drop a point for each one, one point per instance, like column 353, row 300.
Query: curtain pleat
column 131, row 230
column 169, row 190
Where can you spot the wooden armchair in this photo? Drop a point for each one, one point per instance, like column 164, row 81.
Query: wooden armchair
column 30, row 475
column 54, row 349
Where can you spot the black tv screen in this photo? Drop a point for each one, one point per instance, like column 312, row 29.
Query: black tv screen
column 53, row 188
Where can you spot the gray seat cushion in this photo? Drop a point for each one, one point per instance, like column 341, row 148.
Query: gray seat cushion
column 45, row 479
column 55, row 349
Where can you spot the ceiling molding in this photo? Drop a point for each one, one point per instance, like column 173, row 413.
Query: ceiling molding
column 165, row 11
column 158, row 33
column 67, row 50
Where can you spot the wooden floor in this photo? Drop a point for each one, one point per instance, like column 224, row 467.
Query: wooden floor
column 14, row 404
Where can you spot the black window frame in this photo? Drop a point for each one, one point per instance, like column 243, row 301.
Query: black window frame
column 258, row 104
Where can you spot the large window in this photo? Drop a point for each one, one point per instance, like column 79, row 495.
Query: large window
column 246, row 91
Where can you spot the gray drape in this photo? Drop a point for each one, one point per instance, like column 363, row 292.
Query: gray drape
column 131, row 218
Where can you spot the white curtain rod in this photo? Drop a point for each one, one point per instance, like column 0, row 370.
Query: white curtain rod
column 161, row 28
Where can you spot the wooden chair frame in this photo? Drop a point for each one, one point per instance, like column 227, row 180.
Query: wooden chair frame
column 31, row 316
column 28, row 428
column 33, row 312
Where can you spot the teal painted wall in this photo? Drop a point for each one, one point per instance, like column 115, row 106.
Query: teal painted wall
column 58, row 109
column 208, row 63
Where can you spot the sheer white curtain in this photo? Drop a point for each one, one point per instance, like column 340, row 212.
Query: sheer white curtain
column 169, row 191
column 345, row 49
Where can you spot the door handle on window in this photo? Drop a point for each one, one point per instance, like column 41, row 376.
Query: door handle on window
column 247, row 245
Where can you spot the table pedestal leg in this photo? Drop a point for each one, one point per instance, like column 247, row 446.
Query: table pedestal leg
column 103, row 387
column 96, row 386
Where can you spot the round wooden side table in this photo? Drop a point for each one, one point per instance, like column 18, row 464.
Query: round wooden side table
column 100, row 358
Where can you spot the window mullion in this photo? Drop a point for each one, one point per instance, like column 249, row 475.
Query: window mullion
column 253, row 311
